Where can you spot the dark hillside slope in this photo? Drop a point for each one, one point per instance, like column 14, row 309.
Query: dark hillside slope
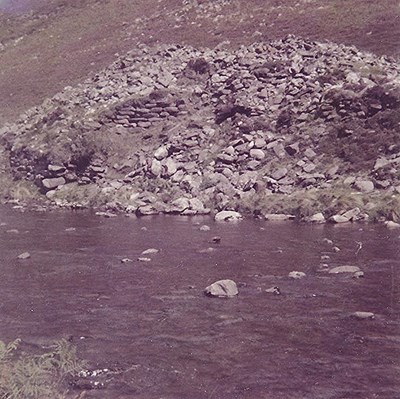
column 59, row 43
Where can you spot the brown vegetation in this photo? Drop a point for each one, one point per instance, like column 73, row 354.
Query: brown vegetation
column 60, row 42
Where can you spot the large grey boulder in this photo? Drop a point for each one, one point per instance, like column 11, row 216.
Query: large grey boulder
column 156, row 167
column 197, row 206
column 317, row 218
column 352, row 214
column 228, row 216
column 179, row 205
column 222, row 289
column 56, row 169
column 147, row 210
column 53, row 183
column 339, row 219
column 365, row 186
column 161, row 153
column 392, row 225
column 257, row 154
column 169, row 167
column 279, row 173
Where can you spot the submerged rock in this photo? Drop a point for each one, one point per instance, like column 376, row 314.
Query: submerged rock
column 206, row 250
column 150, row 251
column 24, row 255
column 273, row 290
column 106, row 214
column 222, row 289
column 345, row 269
column 126, row 260
column 296, row 275
column 363, row 315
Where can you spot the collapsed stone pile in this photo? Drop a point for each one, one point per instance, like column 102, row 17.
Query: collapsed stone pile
column 178, row 129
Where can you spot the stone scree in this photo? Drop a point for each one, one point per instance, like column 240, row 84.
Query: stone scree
column 178, row 129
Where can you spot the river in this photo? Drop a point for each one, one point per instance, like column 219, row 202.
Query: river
column 150, row 323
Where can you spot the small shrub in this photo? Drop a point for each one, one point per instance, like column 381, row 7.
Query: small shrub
column 21, row 190
column 25, row 376
column 386, row 207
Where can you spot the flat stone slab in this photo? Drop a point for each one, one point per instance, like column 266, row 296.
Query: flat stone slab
column 206, row 250
column 25, row 255
column 278, row 217
column 363, row 315
column 150, row 251
column 344, row 269
column 339, row 219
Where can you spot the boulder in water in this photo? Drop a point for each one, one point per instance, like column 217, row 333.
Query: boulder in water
column 296, row 275
column 25, row 255
column 228, row 216
column 363, row 315
column 344, row 269
column 150, row 251
column 222, row 289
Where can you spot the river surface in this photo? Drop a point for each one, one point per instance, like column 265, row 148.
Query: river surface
column 150, row 323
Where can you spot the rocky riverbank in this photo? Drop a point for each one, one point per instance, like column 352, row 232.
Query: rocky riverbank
column 294, row 127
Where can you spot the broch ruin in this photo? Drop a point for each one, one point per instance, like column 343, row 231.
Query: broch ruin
column 280, row 129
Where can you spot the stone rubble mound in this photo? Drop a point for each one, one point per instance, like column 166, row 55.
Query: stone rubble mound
column 181, row 130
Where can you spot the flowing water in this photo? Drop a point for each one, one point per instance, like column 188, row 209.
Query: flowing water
column 150, row 324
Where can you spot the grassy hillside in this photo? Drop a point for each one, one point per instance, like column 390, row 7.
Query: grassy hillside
column 55, row 43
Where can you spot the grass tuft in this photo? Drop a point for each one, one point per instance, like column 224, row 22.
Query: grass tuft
column 26, row 376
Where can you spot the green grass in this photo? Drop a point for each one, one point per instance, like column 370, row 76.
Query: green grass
column 26, row 376
column 20, row 190
column 329, row 201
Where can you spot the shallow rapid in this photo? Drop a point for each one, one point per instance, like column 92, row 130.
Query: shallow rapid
column 151, row 326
